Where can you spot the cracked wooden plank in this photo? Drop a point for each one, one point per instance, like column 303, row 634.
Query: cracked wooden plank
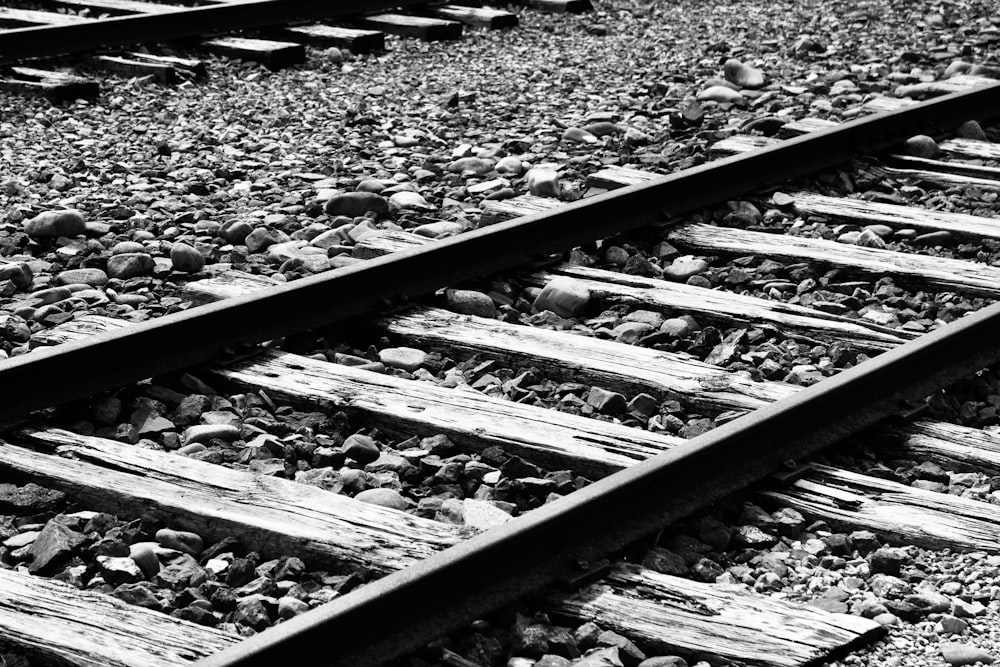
column 277, row 516
column 939, row 273
column 581, row 358
column 470, row 419
column 425, row 28
column 957, row 447
column 901, row 514
column 862, row 212
column 727, row 307
column 722, row 622
column 55, row 623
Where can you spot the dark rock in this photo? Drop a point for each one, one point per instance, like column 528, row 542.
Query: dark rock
column 54, row 545
column 28, row 499
column 354, row 204
column 887, row 560
column 52, row 224
column 139, row 595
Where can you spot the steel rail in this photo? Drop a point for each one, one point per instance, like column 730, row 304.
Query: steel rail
column 400, row 612
column 51, row 376
column 42, row 41
column 403, row 610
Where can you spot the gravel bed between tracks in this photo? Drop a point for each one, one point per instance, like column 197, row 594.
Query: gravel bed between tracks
column 254, row 150
column 236, row 170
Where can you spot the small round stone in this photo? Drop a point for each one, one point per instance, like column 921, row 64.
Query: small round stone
column 563, row 296
column 510, row 165
column 144, row 555
column 685, row 267
column 742, row 75
column 52, row 224
column 356, row 203
column 578, row 136
column 383, row 497
column 206, row 432
column 543, row 182
column 922, row 146
column 409, row 201
column 406, row 358
column 181, row 540
column 721, row 94
column 130, row 265
column 186, row 259
column 361, row 448
column 92, row 277
column 470, row 302
column 289, row 607
column 475, row 165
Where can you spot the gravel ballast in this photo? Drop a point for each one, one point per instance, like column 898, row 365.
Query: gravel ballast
column 110, row 206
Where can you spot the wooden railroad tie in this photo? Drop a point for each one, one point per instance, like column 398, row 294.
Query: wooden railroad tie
column 422, row 27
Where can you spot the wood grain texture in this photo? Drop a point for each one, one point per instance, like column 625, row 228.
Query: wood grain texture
column 277, row 516
column 574, row 357
column 54, row 623
column 902, row 514
column 939, row 273
column 473, row 420
column 728, row 307
column 724, row 622
column 863, row 212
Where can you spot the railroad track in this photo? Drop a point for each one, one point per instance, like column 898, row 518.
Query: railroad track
column 660, row 478
column 94, row 27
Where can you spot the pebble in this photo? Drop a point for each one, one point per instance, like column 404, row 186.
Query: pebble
column 124, row 247
column 577, row 135
column 383, row 497
column 474, row 165
column 19, row 273
column 869, row 239
column 184, row 541
column 409, row 201
column 117, row 570
column 971, row 129
column 543, row 182
column 201, row 433
column 685, row 267
column 722, row 95
column 742, row 75
column 438, row 229
column 144, row 555
column 471, row 302
column 602, row 128
column 482, row 514
column 186, row 259
column 607, row 402
column 931, row 239
column 921, row 145
column 354, row 204
column 406, row 358
column 50, row 295
column 510, row 165
column 563, row 296
column 370, row 185
column 235, row 231
column 92, row 277
column 361, row 448
column 289, row 607
column 53, row 224
column 130, row 265
column 958, row 653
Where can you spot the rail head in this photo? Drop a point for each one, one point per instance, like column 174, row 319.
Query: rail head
column 200, row 334
column 54, row 40
column 400, row 612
